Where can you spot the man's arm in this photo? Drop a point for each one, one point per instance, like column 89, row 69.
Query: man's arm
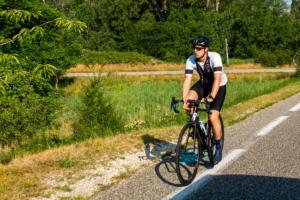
column 216, row 84
column 186, row 87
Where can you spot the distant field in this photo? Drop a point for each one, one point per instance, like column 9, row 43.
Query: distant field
column 155, row 67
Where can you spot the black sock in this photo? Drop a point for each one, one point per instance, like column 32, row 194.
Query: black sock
column 218, row 144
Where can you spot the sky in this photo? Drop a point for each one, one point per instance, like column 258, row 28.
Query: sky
column 288, row 2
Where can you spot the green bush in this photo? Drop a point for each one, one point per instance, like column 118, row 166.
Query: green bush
column 97, row 116
column 112, row 57
column 28, row 106
column 283, row 57
column 6, row 157
column 267, row 59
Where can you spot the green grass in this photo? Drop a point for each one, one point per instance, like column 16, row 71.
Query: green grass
column 235, row 61
column 146, row 103
column 67, row 162
column 241, row 90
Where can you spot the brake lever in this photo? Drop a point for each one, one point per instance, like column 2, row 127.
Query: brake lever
column 173, row 104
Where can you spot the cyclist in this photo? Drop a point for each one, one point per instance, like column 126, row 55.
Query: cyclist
column 211, row 85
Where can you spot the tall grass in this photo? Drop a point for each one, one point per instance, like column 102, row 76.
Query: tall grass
column 146, row 103
column 235, row 61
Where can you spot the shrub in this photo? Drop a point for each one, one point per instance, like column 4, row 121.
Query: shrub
column 28, row 106
column 97, row 116
column 6, row 157
column 267, row 59
column 283, row 57
column 113, row 57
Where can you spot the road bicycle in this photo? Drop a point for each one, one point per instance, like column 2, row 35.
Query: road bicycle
column 196, row 139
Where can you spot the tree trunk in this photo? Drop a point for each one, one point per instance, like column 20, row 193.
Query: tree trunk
column 56, row 82
column 207, row 4
column 217, row 5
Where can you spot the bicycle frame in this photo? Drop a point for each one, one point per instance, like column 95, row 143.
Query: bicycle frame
column 193, row 118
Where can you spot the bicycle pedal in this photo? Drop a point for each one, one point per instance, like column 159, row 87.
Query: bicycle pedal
column 204, row 154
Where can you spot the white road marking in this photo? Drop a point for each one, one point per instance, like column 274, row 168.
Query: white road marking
column 267, row 129
column 201, row 179
column 295, row 108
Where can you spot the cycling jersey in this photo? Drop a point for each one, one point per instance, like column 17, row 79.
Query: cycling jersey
column 206, row 70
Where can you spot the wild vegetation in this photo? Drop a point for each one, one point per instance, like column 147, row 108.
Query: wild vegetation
column 35, row 46
column 113, row 105
column 39, row 40
column 74, row 160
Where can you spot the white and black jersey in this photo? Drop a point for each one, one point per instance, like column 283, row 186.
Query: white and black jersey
column 206, row 70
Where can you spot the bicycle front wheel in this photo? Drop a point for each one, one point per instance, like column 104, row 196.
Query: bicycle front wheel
column 187, row 154
column 211, row 140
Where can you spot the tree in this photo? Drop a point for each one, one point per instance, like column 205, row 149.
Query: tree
column 295, row 7
column 160, row 8
column 26, row 28
column 217, row 5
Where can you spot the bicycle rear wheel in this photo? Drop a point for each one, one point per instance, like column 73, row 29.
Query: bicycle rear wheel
column 187, row 154
column 211, row 140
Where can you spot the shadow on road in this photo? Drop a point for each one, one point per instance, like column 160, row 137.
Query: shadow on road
column 166, row 169
column 156, row 148
column 248, row 187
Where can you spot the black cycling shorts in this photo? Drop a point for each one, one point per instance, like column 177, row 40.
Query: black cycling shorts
column 202, row 92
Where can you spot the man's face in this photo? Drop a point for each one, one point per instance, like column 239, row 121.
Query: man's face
column 199, row 51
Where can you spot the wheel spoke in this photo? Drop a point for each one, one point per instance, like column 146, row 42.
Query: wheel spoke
column 187, row 155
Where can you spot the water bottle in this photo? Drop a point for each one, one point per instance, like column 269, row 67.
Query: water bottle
column 203, row 128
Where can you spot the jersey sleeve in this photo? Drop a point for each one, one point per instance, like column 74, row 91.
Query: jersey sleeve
column 217, row 63
column 189, row 67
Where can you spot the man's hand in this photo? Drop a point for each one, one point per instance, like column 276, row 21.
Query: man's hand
column 210, row 98
column 186, row 107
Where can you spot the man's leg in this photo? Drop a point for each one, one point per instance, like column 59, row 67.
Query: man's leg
column 216, row 124
column 217, row 129
column 192, row 95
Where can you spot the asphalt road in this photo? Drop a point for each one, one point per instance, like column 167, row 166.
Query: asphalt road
column 234, row 71
column 270, row 169
column 261, row 161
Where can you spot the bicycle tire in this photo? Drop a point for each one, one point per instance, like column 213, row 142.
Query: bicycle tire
column 211, row 140
column 188, row 152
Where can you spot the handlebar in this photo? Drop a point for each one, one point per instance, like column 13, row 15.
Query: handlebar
column 192, row 103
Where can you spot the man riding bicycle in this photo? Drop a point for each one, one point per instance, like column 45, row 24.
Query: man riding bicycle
column 212, row 84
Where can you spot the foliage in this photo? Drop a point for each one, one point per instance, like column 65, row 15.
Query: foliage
column 28, row 106
column 97, row 116
column 162, row 28
column 45, row 71
column 267, row 59
column 108, row 57
column 36, row 34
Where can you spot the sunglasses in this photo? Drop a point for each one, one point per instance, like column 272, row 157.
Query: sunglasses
column 198, row 48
